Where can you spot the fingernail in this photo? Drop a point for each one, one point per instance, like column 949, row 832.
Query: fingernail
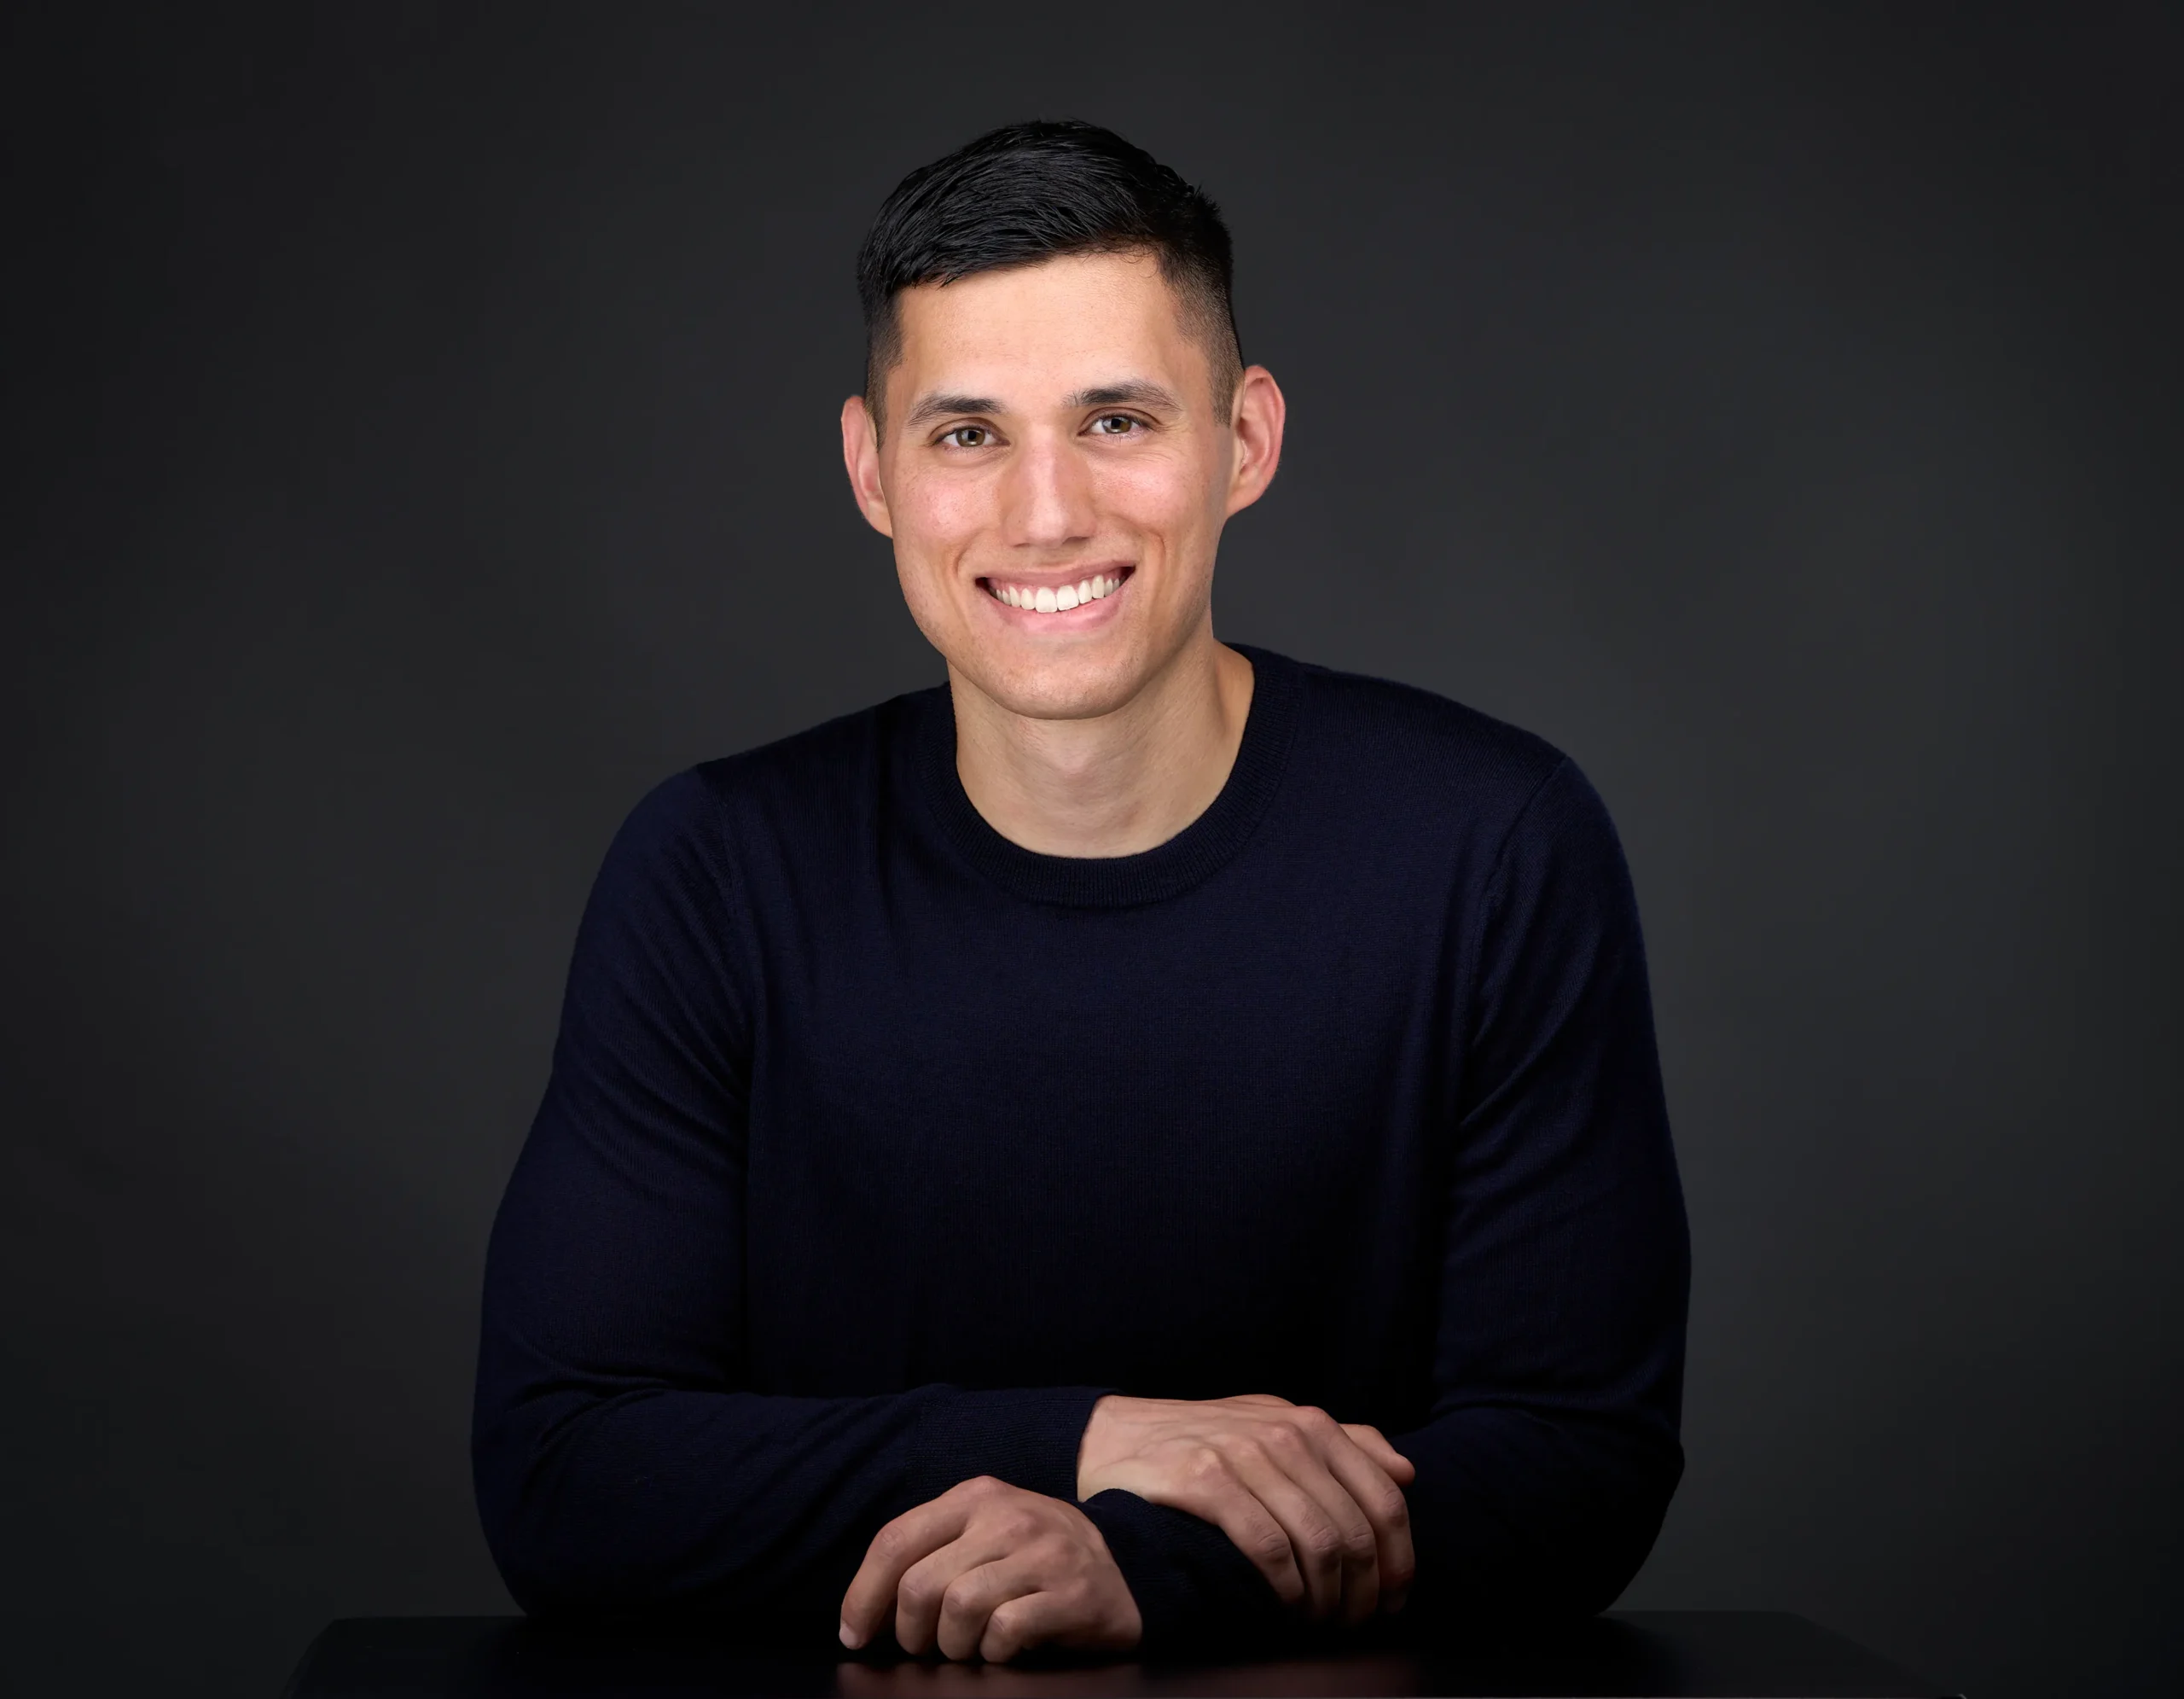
column 850, row 1638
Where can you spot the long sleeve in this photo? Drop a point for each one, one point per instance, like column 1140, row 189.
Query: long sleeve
column 622, row 1463
column 1551, row 1450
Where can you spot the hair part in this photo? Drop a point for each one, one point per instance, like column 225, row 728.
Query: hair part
column 1028, row 193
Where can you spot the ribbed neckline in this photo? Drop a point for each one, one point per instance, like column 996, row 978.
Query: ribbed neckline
column 1123, row 881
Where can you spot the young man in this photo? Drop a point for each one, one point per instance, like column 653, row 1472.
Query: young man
column 1148, row 1141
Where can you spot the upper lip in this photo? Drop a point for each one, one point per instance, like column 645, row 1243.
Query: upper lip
column 1055, row 577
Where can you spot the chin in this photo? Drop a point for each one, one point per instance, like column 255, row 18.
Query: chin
column 1084, row 685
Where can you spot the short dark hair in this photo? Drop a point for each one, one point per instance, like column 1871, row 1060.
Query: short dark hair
column 1031, row 192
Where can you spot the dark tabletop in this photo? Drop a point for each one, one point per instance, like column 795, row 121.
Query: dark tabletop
column 1756, row 1653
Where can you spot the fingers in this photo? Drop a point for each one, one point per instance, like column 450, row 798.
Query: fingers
column 1047, row 1619
column 1336, row 1540
column 966, row 1593
column 962, row 1610
column 1376, row 1493
column 944, row 1599
column 905, row 1542
column 1364, row 1483
column 1327, row 1534
column 1211, row 1488
column 1374, row 1444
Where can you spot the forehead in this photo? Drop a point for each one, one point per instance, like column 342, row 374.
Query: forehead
column 1070, row 322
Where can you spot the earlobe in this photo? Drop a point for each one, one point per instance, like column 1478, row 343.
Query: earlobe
column 861, row 460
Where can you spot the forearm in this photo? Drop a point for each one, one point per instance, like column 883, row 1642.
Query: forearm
column 722, row 1503
column 1515, row 1510
column 1525, row 1512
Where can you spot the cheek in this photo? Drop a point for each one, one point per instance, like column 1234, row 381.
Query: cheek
column 940, row 513
column 1166, row 497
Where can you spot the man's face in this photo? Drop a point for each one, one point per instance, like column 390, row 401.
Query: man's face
column 1056, row 480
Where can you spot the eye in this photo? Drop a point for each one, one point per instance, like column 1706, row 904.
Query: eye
column 1115, row 425
column 968, row 436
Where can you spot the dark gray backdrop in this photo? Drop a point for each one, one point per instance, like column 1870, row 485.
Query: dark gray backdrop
column 421, row 440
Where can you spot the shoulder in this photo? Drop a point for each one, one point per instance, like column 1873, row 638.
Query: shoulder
column 1437, row 791
column 779, row 793
column 1410, row 753
column 819, row 771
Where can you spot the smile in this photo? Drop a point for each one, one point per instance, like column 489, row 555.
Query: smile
column 1048, row 598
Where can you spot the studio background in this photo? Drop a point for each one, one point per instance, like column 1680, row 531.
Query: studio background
column 421, row 440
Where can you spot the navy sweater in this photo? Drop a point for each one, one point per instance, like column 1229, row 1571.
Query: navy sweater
column 878, row 1148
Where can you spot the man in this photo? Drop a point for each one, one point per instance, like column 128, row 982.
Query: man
column 1148, row 1142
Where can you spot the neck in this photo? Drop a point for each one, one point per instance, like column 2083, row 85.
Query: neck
column 1115, row 784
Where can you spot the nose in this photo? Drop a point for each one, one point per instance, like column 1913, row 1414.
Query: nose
column 1046, row 496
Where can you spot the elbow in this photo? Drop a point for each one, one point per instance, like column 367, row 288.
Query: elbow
column 1586, row 1556
column 552, row 1558
column 1546, row 1544
column 534, row 1566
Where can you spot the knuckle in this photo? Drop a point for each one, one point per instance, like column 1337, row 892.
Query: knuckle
column 1004, row 1636
column 1048, row 1554
column 1269, row 1547
column 959, row 1604
column 1313, row 1420
column 1391, row 1509
column 1206, row 1463
column 1324, row 1541
column 982, row 1487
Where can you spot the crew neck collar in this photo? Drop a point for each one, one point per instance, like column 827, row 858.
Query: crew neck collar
column 1151, row 875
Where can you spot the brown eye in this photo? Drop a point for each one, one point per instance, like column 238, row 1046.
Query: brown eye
column 1115, row 425
column 967, row 436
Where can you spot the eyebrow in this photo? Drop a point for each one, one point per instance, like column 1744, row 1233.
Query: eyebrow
column 1136, row 391
column 939, row 406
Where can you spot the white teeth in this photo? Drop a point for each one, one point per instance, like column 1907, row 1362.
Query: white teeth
column 1047, row 600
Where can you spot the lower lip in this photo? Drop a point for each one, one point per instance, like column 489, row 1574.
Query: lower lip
column 1085, row 616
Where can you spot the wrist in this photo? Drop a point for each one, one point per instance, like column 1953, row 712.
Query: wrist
column 1088, row 1446
column 1096, row 1447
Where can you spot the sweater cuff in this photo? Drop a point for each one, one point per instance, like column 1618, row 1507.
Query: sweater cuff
column 1194, row 1590
column 1027, row 1437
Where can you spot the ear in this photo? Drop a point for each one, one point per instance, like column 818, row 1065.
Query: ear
column 1257, row 422
column 861, row 460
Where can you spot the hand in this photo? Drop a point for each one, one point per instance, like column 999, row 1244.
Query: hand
column 990, row 1570
column 1316, row 1504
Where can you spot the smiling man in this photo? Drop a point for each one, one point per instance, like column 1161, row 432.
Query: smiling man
column 1149, row 1142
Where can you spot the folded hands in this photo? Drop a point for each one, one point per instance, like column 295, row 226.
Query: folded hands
column 990, row 1570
